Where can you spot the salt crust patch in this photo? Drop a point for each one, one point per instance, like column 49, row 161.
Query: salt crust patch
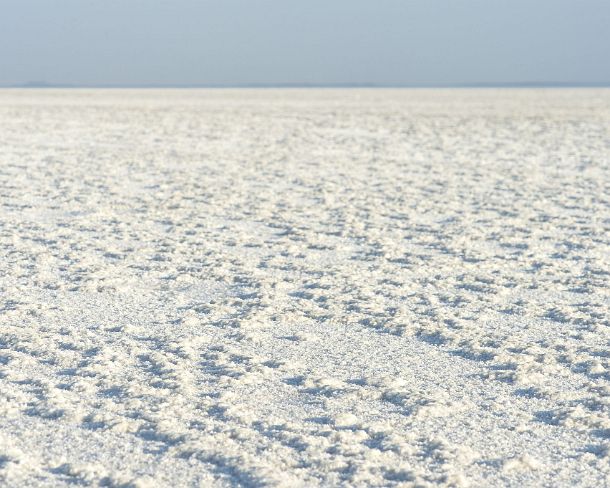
column 304, row 288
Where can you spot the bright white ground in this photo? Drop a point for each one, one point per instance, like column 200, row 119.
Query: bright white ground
column 285, row 288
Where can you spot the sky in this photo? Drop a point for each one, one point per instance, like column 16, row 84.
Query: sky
column 275, row 42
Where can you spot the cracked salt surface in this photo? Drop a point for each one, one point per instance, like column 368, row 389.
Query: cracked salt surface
column 305, row 288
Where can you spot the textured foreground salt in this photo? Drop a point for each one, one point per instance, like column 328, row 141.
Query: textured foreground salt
column 285, row 288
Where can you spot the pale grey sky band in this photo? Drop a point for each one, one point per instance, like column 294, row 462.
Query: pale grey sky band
column 318, row 42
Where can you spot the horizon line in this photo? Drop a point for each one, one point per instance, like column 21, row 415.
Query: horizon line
column 518, row 84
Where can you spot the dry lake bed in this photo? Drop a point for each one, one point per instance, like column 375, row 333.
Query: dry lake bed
column 305, row 288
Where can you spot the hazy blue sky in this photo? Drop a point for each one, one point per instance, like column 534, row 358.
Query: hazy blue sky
column 134, row 42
